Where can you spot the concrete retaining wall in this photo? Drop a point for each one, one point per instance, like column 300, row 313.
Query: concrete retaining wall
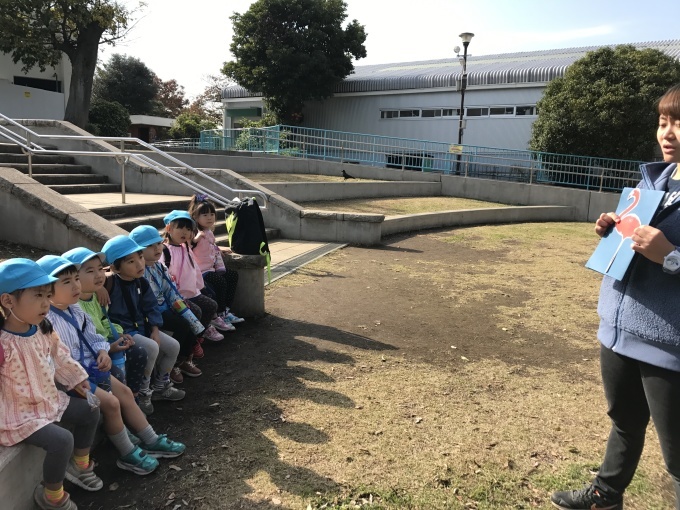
column 400, row 224
column 20, row 473
column 301, row 192
column 35, row 215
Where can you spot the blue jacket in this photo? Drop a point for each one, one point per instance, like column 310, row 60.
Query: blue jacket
column 639, row 318
column 141, row 298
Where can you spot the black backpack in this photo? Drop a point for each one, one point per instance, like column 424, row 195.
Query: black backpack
column 245, row 227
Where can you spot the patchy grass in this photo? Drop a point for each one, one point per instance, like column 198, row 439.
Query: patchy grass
column 401, row 206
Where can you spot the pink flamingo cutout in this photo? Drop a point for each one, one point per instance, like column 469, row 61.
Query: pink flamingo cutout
column 627, row 224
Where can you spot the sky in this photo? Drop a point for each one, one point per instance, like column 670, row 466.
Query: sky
column 188, row 40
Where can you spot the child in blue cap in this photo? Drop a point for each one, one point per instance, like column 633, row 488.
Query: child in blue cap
column 128, row 359
column 178, row 258
column 77, row 332
column 177, row 317
column 134, row 307
column 32, row 360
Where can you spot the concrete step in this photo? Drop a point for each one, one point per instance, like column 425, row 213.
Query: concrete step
column 71, row 179
column 67, row 189
column 37, row 159
column 12, row 148
column 51, row 168
column 122, row 211
column 156, row 220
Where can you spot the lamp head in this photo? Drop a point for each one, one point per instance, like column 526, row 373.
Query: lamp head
column 466, row 37
column 456, row 49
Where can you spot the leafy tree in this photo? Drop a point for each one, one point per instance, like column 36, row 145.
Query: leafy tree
column 605, row 104
column 208, row 103
column 170, row 98
column 128, row 81
column 108, row 118
column 190, row 125
column 39, row 32
column 292, row 51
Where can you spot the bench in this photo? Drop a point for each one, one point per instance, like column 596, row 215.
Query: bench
column 20, row 472
column 249, row 298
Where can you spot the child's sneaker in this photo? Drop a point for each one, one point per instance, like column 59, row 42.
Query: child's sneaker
column 219, row 323
column 585, row 499
column 164, row 448
column 176, row 375
column 83, row 478
column 43, row 504
column 189, row 369
column 138, row 462
column 232, row 319
column 168, row 392
column 212, row 334
column 144, row 402
column 197, row 352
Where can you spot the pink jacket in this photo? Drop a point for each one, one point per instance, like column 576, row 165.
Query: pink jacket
column 29, row 399
column 207, row 253
column 184, row 270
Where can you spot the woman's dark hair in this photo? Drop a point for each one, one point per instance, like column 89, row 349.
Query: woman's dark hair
column 200, row 204
column 669, row 104
column 45, row 326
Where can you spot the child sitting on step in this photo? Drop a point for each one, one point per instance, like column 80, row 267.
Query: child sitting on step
column 134, row 307
column 221, row 280
column 179, row 259
column 176, row 316
column 32, row 360
column 128, row 359
column 118, row 405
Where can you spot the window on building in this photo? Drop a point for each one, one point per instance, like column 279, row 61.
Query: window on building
column 525, row 110
column 38, row 83
column 437, row 112
column 450, row 112
column 477, row 112
column 502, row 110
column 389, row 114
column 408, row 113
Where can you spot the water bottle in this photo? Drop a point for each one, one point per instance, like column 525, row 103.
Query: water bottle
column 118, row 364
column 181, row 308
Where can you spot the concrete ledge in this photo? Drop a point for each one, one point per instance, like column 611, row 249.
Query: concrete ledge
column 301, row 192
column 496, row 215
column 37, row 216
column 249, row 297
column 20, row 472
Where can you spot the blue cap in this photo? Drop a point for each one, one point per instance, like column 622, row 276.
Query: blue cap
column 119, row 247
column 145, row 235
column 177, row 215
column 54, row 264
column 82, row 255
column 18, row 274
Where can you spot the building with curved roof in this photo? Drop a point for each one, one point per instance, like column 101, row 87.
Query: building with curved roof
column 421, row 99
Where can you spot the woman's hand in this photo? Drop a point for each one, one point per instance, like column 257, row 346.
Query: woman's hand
column 651, row 243
column 103, row 361
column 605, row 222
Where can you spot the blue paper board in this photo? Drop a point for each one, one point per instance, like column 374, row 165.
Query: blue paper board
column 614, row 253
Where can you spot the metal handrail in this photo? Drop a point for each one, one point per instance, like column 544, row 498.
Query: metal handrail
column 29, row 147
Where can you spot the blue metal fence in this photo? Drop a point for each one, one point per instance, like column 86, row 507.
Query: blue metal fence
column 420, row 155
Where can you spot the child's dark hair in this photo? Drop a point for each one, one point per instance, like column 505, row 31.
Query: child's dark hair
column 179, row 223
column 119, row 262
column 45, row 326
column 67, row 271
column 669, row 104
column 200, row 204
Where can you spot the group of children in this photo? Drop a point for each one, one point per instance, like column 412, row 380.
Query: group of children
column 77, row 342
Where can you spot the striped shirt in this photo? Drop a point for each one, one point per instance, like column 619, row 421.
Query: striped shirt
column 69, row 335
column 29, row 398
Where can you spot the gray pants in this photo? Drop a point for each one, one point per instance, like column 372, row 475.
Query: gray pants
column 59, row 443
column 163, row 358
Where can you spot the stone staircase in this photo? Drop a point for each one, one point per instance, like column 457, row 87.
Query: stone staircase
column 64, row 176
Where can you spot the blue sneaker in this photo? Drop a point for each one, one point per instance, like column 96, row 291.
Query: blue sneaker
column 164, row 448
column 137, row 462
column 231, row 318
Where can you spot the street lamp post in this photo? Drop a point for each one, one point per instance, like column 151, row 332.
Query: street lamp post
column 466, row 37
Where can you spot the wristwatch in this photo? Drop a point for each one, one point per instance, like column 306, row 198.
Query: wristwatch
column 671, row 262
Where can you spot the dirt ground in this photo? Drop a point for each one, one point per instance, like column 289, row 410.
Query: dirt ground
column 445, row 369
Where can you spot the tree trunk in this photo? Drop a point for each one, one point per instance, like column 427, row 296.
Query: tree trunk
column 84, row 62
